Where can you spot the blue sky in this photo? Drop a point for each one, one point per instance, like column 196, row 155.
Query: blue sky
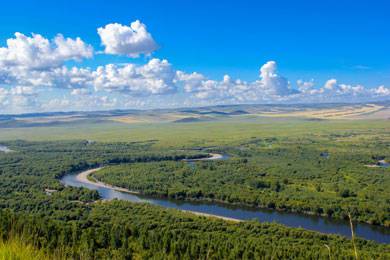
column 344, row 40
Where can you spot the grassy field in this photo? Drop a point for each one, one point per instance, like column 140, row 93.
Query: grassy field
column 228, row 131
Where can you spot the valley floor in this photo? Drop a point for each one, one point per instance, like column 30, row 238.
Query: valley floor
column 294, row 165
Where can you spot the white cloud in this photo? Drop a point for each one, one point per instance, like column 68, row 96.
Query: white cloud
column 22, row 91
column 32, row 66
column 272, row 82
column 3, row 97
column 69, row 49
column 120, row 86
column 18, row 98
column 69, row 78
column 382, row 90
column 59, row 77
column 37, row 52
column 305, row 86
column 80, row 92
column 332, row 87
column 57, row 104
column 330, row 84
column 271, row 85
column 28, row 64
column 191, row 81
column 332, row 91
column 131, row 41
column 202, row 88
column 106, row 102
column 155, row 77
column 23, row 102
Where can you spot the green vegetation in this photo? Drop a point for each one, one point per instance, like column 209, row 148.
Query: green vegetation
column 125, row 230
column 278, row 163
column 325, row 176
column 16, row 249
column 225, row 132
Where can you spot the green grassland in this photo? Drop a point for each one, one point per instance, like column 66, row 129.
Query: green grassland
column 221, row 132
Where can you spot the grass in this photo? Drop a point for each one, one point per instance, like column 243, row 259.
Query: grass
column 196, row 134
column 16, row 249
column 353, row 237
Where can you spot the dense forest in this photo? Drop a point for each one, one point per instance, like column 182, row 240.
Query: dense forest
column 303, row 176
column 70, row 223
column 124, row 230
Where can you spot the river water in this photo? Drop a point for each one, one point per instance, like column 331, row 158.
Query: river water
column 5, row 149
column 315, row 223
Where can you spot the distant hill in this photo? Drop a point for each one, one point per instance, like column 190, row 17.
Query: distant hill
column 188, row 120
column 238, row 112
column 312, row 112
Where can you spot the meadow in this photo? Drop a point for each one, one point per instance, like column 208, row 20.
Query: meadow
column 220, row 132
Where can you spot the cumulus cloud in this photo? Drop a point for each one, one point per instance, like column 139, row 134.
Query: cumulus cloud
column 333, row 87
column 18, row 98
column 64, row 77
column 137, row 85
column 330, row 84
column 191, row 82
column 333, row 91
column 305, row 86
column 382, row 90
column 131, row 41
column 28, row 64
column 155, row 77
column 272, row 82
column 37, row 52
column 31, row 66
column 59, row 77
column 270, row 85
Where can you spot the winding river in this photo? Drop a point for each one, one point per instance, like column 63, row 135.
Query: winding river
column 235, row 213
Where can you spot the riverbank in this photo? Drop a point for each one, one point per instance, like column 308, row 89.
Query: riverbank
column 379, row 164
column 212, row 156
column 227, row 211
column 212, row 216
column 84, row 177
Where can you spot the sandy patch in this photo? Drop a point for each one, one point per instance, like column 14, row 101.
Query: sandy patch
column 83, row 177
